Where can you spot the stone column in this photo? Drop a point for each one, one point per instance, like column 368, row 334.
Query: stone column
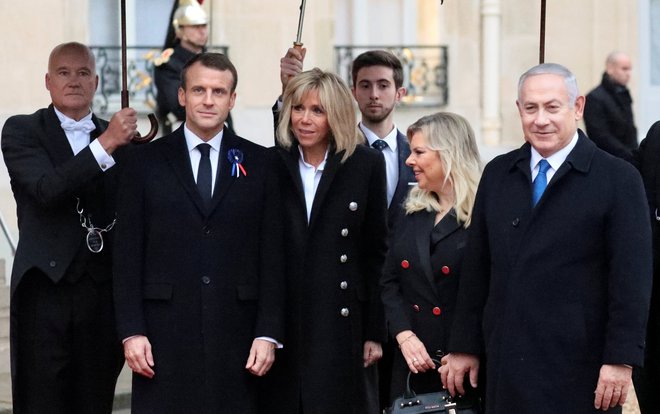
column 359, row 26
column 491, row 123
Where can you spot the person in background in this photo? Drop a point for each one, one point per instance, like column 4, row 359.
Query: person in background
column 608, row 114
column 190, row 24
column 423, row 267
column 557, row 277
column 63, row 164
column 335, row 215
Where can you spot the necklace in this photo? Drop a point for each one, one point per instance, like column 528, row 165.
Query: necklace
column 94, row 236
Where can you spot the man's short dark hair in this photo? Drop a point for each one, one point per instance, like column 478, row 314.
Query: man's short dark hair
column 379, row 58
column 216, row 61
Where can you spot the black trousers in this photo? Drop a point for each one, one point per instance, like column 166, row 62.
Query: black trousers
column 67, row 357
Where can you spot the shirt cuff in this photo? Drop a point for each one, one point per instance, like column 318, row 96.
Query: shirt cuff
column 104, row 159
column 271, row 340
column 123, row 341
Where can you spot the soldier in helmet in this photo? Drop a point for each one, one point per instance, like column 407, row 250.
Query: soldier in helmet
column 190, row 24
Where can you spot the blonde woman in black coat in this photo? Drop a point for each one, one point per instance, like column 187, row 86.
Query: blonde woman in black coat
column 334, row 196
column 422, row 271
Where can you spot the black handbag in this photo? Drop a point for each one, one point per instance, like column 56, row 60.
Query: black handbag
column 433, row 402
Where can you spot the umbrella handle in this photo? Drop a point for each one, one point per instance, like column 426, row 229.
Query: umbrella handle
column 139, row 139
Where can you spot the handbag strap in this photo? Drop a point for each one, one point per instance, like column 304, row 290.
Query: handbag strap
column 409, row 393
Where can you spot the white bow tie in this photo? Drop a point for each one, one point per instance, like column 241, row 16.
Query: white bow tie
column 86, row 125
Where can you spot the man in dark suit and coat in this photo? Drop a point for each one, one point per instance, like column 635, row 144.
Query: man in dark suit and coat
column 199, row 266
column 557, row 276
column 647, row 378
column 65, row 355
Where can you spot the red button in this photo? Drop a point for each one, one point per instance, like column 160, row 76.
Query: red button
column 437, row 311
column 416, row 308
column 445, row 270
column 405, row 264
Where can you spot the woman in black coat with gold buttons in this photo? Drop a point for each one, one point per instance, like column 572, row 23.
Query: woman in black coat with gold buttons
column 422, row 270
column 335, row 220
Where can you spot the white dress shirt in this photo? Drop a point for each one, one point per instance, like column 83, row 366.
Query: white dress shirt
column 79, row 140
column 192, row 141
column 311, row 176
column 391, row 158
column 555, row 160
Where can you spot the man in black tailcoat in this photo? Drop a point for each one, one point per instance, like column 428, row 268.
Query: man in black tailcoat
column 65, row 355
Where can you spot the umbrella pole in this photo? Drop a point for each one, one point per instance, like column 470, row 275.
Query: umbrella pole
column 138, row 139
column 542, row 35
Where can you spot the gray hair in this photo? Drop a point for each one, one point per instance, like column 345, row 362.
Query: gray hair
column 553, row 69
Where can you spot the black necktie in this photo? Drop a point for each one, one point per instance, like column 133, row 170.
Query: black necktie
column 204, row 178
column 379, row 144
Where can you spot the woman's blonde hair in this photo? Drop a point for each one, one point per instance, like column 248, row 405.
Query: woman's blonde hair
column 453, row 138
column 337, row 102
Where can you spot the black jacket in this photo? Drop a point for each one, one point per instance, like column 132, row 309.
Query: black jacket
column 609, row 119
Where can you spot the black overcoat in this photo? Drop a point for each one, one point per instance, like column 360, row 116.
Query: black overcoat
column 648, row 378
column 333, row 265
column 419, row 292
column 608, row 118
column 564, row 287
column 200, row 284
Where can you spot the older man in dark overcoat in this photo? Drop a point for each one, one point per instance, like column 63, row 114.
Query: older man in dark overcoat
column 647, row 378
column 557, row 275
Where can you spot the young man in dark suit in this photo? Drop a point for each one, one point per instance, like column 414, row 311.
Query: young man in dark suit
column 557, row 280
column 199, row 262
column 64, row 349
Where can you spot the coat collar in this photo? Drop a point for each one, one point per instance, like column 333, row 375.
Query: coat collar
column 332, row 164
column 578, row 159
column 291, row 157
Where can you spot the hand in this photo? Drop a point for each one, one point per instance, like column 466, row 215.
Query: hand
column 613, row 385
column 137, row 351
column 120, row 131
column 261, row 358
column 291, row 65
column 414, row 352
column 453, row 369
column 372, row 353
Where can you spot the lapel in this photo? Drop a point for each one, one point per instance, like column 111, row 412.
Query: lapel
column 176, row 153
column 291, row 158
column 100, row 128
column 223, row 179
column 405, row 174
column 54, row 140
column 331, row 166
column 423, row 227
column 579, row 159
